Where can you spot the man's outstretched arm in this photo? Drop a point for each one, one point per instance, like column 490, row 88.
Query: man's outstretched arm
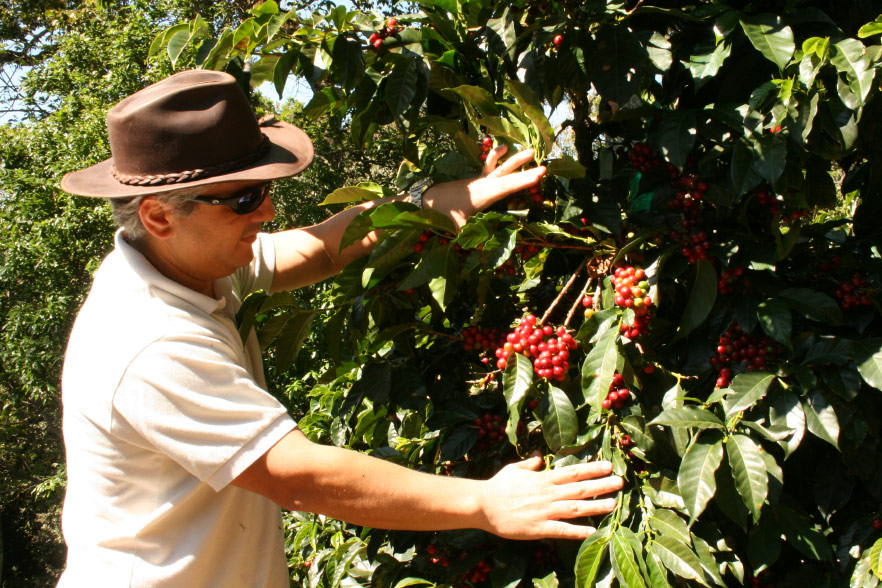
column 519, row 502
column 311, row 254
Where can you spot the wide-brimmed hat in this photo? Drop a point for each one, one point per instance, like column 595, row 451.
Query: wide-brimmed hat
column 194, row 128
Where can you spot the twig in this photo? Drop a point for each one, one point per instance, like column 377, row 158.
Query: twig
column 561, row 294
column 578, row 301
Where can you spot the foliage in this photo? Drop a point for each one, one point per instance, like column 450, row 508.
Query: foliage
column 718, row 148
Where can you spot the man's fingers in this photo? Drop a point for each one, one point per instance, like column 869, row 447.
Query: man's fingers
column 562, row 530
column 572, row 509
column 514, row 162
column 588, row 488
column 582, row 471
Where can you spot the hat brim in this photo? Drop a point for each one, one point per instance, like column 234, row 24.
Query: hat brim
column 289, row 153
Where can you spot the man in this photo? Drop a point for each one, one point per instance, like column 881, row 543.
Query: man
column 178, row 459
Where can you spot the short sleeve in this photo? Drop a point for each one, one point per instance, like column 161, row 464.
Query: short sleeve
column 188, row 399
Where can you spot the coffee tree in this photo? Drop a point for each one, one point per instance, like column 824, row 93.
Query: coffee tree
column 692, row 292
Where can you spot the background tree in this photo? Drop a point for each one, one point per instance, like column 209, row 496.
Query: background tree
column 693, row 294
column 75, row 61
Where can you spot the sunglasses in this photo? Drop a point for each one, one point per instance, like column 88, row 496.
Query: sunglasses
column 243, row 202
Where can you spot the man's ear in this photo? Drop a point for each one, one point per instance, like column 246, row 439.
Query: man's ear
column 156, row 216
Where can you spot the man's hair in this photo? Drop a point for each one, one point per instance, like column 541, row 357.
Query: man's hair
column 125, row 210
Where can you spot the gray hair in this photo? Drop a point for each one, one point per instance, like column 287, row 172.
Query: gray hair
column 125, row 210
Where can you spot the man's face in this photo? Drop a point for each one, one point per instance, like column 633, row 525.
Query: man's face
column 213, row 241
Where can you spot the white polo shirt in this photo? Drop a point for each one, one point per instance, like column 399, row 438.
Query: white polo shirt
column 163, row 408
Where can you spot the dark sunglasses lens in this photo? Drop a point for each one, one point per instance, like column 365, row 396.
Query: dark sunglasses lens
column 252, row 200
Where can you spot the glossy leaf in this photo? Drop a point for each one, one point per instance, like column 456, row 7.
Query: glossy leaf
column 559, row 423
column 770, row 37
column 850, row 58
column 813, row 304
column 696, row 477
column 516, row 381
column 701, row 298
column 747, row 388
column 591, row 556
column 675, row 136
column 748, row 471
column 599, row 367
column 678, row 558
column 876, row 558
column 870, row 361
column 820, row 418
column 774, row 317
column 688, row 417
column 668, row 522
column 624, row 562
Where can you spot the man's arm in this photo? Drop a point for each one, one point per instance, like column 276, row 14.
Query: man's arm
column 311, row 254
column 518, row 502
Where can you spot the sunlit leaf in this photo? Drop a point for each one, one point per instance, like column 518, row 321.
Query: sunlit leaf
column 748, row 471
column 696, row 477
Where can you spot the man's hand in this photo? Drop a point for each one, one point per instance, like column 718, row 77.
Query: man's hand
column 460, row 199
column 520, row 502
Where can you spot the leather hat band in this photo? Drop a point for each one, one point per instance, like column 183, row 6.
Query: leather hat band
column 193, row 174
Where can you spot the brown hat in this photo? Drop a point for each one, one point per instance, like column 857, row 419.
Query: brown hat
column 194, row 128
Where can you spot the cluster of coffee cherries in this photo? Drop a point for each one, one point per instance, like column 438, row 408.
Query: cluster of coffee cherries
column 390, row 28
column 643, row 158
column 532, row 197
column 486, row 147
column 491, row 431
column 444, row 556
column 730, row 278
column 631, row 290
column 767, row 199
column 694, row 245
column 737, row 347
column 618, row 395
column 477, row 574
column 482, row 340
column 855, row 292
column 548, row 347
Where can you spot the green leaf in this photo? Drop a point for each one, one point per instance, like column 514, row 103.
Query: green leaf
column 678, row 558
column 771, row 157
column 820, row 418
column 876, row 558
column 701, row 298
column 870, row 29
column 707, row 61
column 566, row 167
column 748, row 471
column 624, row 563
column 748, row 387
column 774, row 317
column 696, row 478
column 401, row 85
column 668, row 522
column 291, row 339
column 771, row 37
column 559, row 423
column 813, row 304
column 413, row 582
column 616, row 63
column 675, row 136
column 658, row 576
column 591, row 557
column 688, row 417
column 850, row 57
column 479, row 98
column 349, row 194
column 549, row 581
column 502, row 34
column 443, row 284
column 741, row 171
column 516, row 381
column 531, row 106
column 869, row 361
column 601, row 360
column 786, row 412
